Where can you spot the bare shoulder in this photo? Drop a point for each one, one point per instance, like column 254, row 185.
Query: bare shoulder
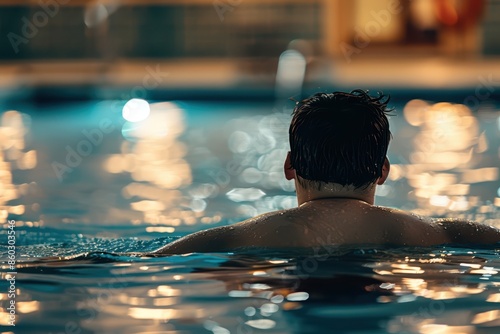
column 400, row 215
column 210, row 240
column 442, row 230
column 408, row 228
column 247, row 233
column 462, row 231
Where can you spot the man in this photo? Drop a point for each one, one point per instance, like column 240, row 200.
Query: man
column 338, row 147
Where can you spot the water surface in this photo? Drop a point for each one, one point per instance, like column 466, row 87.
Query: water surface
column 86, row 188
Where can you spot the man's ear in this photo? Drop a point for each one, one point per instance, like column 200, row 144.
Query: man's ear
column 288, row 169
column 385, row 172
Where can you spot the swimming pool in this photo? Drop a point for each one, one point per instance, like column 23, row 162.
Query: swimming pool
column 85, row 187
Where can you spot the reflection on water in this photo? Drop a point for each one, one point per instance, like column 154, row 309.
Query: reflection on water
column 14, row 155
column 176, row 171
column 259, row 144
column 341, row 290
column 444, row 164
column 154, row 158
column 176, row 166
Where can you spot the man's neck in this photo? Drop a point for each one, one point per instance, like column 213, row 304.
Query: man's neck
column 335, row 192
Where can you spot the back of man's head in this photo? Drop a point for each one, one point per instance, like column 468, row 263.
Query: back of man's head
column 339, row 138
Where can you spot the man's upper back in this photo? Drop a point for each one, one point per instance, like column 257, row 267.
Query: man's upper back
column 335, row 222
column 343, row 222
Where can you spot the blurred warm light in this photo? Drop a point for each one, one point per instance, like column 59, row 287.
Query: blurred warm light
column 147, row 206
column 154, row 157
column 164, row 301
column 152, row 313
column 163, row 119
column 167, row 291
column 480, row 175
column 437, row 200
column 4, row 318
column 13, row 129
column 414, row 112
column 494, row 298
column 16, row 209
column 115, row 164
column 27, row 160
column 457, row 189
column 465, row 290
column 461, row 204
column 406, row 269
column 414, row 284
column 161, row 229
column 440, row 295
column 445, row 329
column 288, row 306
column 446, row 147
column 485, row 317
column 136, row 110
column 397, row 172
column 28, row 306
column 487, row 271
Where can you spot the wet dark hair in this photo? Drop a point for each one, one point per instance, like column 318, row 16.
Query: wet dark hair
column 339, row 138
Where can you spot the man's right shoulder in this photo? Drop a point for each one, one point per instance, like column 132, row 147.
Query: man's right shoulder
column 462, row 231
column 445, row 230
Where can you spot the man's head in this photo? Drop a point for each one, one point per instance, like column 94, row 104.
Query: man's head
column 340, row 138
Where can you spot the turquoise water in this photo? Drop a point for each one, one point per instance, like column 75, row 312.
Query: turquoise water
column 86, row 188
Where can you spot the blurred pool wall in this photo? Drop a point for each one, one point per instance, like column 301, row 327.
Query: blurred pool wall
column 210, row 49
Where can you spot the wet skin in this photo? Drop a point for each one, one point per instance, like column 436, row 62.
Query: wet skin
column 335, row 221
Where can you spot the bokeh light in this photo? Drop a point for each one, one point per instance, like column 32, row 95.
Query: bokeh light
column 136, row 110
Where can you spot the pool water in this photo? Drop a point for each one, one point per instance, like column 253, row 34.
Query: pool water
column 87, row 188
